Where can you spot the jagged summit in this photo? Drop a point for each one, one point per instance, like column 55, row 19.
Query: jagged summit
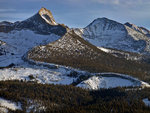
column 137, row 28
column 47, row 16
column 133, row 26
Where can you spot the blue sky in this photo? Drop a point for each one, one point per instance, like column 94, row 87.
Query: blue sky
column 79, row 13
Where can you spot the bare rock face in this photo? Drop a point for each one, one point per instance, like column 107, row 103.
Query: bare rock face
column 41, row 23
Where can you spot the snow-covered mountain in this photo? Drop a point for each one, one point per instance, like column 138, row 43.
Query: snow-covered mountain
column 41, row 38
column 104, row 32
column 17, row 38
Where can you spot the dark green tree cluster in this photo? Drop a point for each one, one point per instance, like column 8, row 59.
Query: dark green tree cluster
column 70, row 99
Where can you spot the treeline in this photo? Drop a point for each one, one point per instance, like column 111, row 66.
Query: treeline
column 70, row 99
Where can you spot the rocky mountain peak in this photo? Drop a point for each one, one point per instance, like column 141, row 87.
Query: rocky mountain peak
column 47, row 16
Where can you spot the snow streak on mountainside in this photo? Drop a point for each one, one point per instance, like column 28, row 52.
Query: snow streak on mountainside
column 123, row 54
column 103, row 32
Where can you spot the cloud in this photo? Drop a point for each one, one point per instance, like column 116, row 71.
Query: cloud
column 107, row 1
column 122, row 2
column 7, row 10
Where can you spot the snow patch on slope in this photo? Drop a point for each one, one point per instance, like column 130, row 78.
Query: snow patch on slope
column 122, row 54
column 35, row 106
column 9, row 104
column 146, row 101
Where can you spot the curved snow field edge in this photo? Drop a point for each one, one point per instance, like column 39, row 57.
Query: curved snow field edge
column 51, row 65
column 144, row 84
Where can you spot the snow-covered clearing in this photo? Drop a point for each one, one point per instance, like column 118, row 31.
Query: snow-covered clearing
column 57, row 76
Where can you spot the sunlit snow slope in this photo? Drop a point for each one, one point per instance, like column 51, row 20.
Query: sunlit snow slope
column 103, row 32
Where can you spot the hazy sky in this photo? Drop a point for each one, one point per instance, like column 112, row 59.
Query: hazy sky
column 79, row 13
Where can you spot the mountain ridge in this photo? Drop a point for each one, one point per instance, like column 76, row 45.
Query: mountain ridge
column 103, row 32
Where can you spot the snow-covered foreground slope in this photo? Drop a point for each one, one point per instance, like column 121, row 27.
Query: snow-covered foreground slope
column 103, row 32
column 19, row 42
column 107, row 81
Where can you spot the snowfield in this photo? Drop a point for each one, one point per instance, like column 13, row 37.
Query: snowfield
column 20, row 42
column 56, row 76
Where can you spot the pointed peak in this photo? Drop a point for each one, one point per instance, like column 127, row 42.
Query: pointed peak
column 47, row 16
column 104, row 21
column 103, row 18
